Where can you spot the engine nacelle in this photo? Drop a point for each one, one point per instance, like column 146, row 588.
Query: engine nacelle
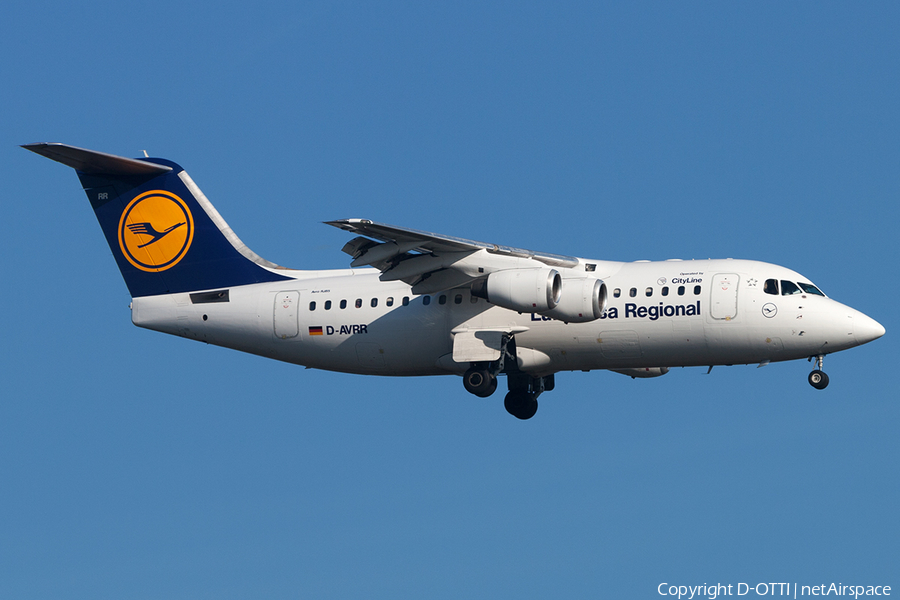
column 583, row 300
column 523, row 290
column 643, row 372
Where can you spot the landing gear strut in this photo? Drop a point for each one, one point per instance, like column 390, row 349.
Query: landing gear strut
column 818, row 379
column 521, row 401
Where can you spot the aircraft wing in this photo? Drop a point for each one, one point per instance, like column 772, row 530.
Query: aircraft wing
column 433, row 262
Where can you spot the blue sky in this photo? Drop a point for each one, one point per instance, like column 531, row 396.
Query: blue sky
column 138, row 465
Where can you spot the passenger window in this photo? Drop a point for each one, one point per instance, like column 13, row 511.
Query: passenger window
column 771, row 287
column 390, row 301
column 312, row 305
column 649, row 291
column 789, row 288
column 617, row 292
column 359, row 303
column 343, row 304
column 457, row 299
column 328, row 305
column 681, row 290
column 810, row 289
column 632, row 292
column 665, row 291
column 426, row 300
column 442, row 299
column 405, row 300
column 473, row 299
column 696, row 290
column 374, row 302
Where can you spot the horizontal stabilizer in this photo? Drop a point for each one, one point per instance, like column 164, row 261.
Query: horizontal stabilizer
column 96, row 163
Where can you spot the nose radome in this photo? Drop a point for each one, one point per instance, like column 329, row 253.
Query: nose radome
column 866, row 329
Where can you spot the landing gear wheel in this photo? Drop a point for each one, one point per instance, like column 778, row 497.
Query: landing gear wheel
column 521, row 405
column 479, row 382
column 818, row 379
column 491, row 389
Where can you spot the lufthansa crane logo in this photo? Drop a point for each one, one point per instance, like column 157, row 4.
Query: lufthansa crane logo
column 156, row 230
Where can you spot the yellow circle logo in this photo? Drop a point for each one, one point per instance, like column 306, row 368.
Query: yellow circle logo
column 156, row 230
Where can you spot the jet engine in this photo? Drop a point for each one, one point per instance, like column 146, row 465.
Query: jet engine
column 523, row 290
column 583, row 299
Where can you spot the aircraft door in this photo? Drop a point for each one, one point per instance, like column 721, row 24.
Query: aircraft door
column 287, row 305
column 723, row 296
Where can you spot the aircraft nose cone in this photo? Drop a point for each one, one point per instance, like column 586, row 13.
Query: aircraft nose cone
column 866, row 329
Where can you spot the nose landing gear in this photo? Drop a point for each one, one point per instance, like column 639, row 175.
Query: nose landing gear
column 818, row 379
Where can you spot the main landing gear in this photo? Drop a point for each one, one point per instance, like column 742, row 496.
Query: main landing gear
column 524, row 389
column 818, row 379
column 521, row 401
column 480, row 381
column 481, row 378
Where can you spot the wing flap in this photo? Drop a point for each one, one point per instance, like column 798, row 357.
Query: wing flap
column 431, row 261
column 443, row 279
column 425, row 241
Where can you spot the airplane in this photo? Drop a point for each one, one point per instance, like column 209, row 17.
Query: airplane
column 416, row 303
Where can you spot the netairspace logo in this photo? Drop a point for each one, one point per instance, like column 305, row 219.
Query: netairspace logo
column 794, row 590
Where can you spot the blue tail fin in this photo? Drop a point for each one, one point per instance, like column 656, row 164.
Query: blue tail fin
column 164, row 233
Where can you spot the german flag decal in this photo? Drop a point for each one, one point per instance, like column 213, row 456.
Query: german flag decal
column 315, row 330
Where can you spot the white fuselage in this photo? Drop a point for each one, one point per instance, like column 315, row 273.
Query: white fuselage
column 659, row 314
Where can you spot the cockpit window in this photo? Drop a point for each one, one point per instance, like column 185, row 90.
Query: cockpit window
column 771, row 287
column 789, row 288
column 810, row 289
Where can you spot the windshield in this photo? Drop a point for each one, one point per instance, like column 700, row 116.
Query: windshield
column 811, row 289
column 789, row 288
